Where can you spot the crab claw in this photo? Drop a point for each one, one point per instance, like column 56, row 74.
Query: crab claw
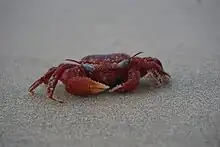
column 83, row 86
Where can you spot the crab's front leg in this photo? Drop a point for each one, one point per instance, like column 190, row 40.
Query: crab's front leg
column 54, row 80
column 131, row 84
column 44, row 79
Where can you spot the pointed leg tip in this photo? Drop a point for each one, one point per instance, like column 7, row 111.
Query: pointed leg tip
column 60, row 101
column 55, row 98
column 31, row 93
column 168, row 76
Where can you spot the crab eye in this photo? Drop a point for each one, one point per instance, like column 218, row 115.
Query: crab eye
column 88, row 67
column 123, row 63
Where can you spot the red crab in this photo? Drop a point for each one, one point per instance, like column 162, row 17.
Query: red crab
column 98, row 73
column 125, row 71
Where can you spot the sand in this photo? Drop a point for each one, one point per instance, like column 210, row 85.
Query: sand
column 184, row 35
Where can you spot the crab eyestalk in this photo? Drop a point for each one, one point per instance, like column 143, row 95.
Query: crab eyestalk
column 125, row 62
column 72, row 60
column 88, row 67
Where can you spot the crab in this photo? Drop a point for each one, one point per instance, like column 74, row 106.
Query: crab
column 123, row 72
column 93, row 74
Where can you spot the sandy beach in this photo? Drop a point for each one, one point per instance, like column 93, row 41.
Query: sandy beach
column 183, row 34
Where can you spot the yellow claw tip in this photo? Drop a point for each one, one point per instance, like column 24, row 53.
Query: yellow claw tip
column 97, row 87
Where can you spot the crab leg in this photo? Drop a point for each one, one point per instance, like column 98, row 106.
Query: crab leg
column 41, row 80
column 131, row 83
column 134, row 77
column 54, row 80
column 153, row 60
